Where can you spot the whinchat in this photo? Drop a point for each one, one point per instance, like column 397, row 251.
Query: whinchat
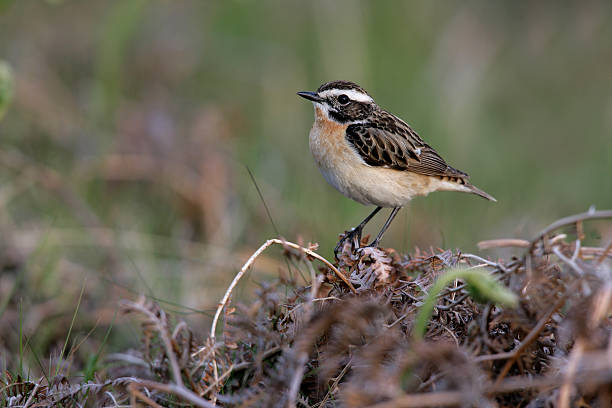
column 374, row 157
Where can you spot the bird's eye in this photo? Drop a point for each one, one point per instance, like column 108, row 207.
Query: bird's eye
column 343, row 99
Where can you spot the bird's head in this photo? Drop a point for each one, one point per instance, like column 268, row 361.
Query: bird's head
column 341, row 101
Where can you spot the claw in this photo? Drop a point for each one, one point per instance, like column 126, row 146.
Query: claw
column 373, row 244
column 353, row 234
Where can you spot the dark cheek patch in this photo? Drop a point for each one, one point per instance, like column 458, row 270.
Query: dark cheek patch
column 351, row 112
column 338, row 116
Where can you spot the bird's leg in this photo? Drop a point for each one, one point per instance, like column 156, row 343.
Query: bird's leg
column 359, row 229
column 384, row 228
column 355, row 233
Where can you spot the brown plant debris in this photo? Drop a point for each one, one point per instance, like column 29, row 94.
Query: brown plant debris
column 325, row 344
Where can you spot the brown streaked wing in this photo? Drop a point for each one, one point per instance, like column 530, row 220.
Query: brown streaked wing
column 399, row 148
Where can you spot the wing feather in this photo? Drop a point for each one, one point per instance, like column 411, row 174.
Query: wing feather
column 389, row 142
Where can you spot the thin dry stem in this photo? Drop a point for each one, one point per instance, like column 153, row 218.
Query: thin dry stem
column 535, row 332
column 176, row 371
column 572, row 219
column 136, row 393
column 241, row 273
column 432, row 399
column 180, row 392
column 605, row 253
column 334, row 385
column 303, row 356
column 33, row 393
column 250, row 262
column 566, row 389
column 503, row 243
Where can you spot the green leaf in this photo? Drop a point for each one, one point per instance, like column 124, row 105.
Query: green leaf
column 484, row 288
column 481, row 286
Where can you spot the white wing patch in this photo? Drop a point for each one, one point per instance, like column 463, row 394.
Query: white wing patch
column 353, row 94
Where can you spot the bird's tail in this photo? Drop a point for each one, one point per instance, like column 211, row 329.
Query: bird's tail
column 473, row 189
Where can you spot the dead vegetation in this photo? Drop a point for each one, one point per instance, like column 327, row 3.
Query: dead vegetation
column 529, row 331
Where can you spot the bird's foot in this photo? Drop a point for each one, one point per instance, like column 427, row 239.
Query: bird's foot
column 354, row 235
column 373, row 244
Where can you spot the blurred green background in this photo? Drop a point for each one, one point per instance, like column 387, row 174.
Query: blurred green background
column 125, row 147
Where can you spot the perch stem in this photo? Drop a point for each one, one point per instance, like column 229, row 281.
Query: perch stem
column 241, row 273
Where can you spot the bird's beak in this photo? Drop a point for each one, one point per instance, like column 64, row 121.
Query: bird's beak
column 311, row 96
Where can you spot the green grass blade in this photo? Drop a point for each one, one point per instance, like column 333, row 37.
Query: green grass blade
column 481, row 286
column 61, row 356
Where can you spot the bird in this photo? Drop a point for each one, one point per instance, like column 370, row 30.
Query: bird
column 374, row 157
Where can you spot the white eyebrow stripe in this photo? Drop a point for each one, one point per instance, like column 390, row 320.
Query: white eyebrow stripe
column 353, row 94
